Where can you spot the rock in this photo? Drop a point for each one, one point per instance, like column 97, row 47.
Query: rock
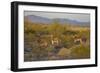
column 64, row 52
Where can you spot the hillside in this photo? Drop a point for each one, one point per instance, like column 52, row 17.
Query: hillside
column 44, row 20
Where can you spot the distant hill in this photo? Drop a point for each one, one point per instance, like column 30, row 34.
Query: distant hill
column 39, row 19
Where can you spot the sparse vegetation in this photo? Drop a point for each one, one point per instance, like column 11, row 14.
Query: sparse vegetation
column 55, row 41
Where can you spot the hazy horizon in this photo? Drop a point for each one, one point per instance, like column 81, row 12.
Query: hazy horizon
column 52, row 15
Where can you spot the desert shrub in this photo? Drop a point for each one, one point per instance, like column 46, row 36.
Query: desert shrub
column 39, row 52
column 70, row 32
column 80, row 52
column 50, row 49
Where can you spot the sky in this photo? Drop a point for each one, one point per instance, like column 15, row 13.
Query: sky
column 83, row 17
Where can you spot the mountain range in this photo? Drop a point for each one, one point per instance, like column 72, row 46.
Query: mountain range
column 40, row 19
